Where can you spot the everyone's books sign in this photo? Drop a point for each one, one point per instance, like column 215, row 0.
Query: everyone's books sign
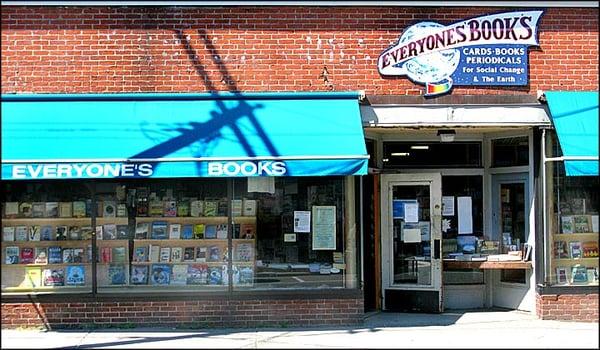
column 489, row 50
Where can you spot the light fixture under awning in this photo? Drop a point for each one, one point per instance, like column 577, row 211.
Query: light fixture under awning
column 181, row 135
column 575, row 118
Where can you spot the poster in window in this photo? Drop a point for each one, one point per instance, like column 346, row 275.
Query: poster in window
column 411, row 212
column 301, row 221
column 323, row 227
column 448, row 206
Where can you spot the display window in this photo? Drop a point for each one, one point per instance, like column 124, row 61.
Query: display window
column 297, row 238
column 47, row 237
column 456, row 244
column 179, row 235
column 510, row 151
column 572, row 225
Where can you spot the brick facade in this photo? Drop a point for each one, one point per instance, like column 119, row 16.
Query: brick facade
column 189, row 313
column 567, row 307
column 171, row 49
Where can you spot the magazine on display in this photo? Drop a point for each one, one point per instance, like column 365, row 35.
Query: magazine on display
column 75, row 275
column 21, row 234
column 179, row 275
column 41, row 255
column 170, row 209
column 201, row 254
column 38, row 210
column 210, row 231
column 78, row 255
column 46, row 233
column 53, row 277
column 109, row 209
column 165, row 254
column 160, row 274
column 139, row 274
column 11, row 255
column 8, row 234
column 122, row 232
column 196, row 208
column 183, row 208
column 197, row 274
column 109, row 232
column 27, row 255
column 187, row 232
column 25, row 209
column 117, row 275
column 51, row 210
column 54, row 255
column 221, row 231
column 119, row 255
column 65, row 209
column 79, row 209
column 141, row 230
column 575, row 248
column 159, row 230
column 140, row 254
column 176, row 254
column 175, row 231
column 35, row 233
column 188, row 254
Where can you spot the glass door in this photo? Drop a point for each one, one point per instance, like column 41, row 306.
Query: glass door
column 411, row 242
column 510, row 225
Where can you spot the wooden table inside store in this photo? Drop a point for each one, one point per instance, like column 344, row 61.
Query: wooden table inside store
column 487, row 265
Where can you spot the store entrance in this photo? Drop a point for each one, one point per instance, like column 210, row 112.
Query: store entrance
column 411, row 242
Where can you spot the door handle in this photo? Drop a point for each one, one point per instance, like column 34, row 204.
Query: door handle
column 437, row 248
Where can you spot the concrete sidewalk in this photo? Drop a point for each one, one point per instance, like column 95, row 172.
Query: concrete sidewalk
column 470, row 329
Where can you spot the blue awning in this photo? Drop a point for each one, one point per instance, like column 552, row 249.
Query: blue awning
column 575, row 117
column 181, row 135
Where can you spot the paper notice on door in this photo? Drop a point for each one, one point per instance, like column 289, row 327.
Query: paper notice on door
column 411, row 212
column 465, row 216
column 447, row 205
column 412, row 235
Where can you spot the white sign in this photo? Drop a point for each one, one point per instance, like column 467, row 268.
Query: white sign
column 289, row 237
column 412, row 235
column 465, row 216
column 323, row 227
column 264, row 184
column 447, row 205
column 411, row 212
column 301, row 221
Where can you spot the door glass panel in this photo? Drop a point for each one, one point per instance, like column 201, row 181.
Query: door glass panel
column 411, row 234
column 512, row 223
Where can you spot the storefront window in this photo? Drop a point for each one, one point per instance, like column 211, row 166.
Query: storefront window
column 47, row 237
column 178, row 238
column 455, row 245
column 174, row 235
column 572, row 226
column 512, row 225
column 296, row 237
column 510, row 151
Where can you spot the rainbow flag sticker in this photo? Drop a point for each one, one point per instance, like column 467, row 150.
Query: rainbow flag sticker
column 443, row 86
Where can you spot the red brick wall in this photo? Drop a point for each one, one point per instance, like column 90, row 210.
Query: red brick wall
column 138, row 49
column 568, row 307
column 196, row 313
